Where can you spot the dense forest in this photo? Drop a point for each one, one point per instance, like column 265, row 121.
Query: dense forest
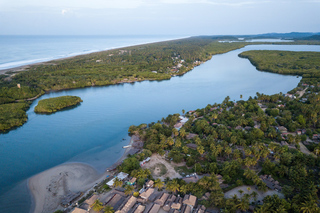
column 305, row 64
column 155, row 61
column 51, row 105
column 244, row 141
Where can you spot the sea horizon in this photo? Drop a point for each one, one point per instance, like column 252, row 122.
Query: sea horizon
column 22, row 50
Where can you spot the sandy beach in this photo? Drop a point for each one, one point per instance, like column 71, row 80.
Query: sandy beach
column 49, row 187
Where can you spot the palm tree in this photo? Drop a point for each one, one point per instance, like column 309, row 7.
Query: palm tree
column 117, row 182
column 183, row 189
column 170, row 141
column 200, row 149
column 177, row 143
column 243, row 205
column 309, row 206
column 108, row 209
column 183, row 133
column 228, row 150
column 254, row 194
column 183, row 111
column 97, row 206
column 240, row 191
column 158, row 183
column 173, row 186
column 129, row 189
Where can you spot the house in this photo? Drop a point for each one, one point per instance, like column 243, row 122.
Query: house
column 132, row 181
column 190, row 200
column 200, row 209
column 145, row 195
column 138, row 208
column 120, row 176
column 178, row 125
column 115, row 201
column 299, row 132
column 169, row 202
column 162, row 199
column 315, row 137
column 282, row 129
column 128, row 205
column 191, row 136
column 87, row 204
column 192, row 146
column 186, row 209
column 153, row 208
column 145, row 161
column 192, row 179
column 149, row 183
column 69, row 198
column 78, row 210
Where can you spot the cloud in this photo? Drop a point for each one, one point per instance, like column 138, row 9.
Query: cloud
column 214, row 2
column 64, row 11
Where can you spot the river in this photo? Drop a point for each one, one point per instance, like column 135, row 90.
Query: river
column 95, row 131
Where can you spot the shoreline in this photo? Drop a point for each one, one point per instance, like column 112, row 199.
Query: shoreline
column 25, row 67
column 48, row 187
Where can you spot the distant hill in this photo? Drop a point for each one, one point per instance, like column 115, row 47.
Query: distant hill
column 314, row 37
column 292, row 35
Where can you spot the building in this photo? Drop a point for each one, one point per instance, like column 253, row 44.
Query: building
column 132, row 181
column 89, row 202
column 153, row 208
column 69, row 198
column 190, row 200
column 145, row 195
column 150, row 183
column 120, row 176
column 115, row 201
column 78, row 210
column 162, row 199
column 128, row 205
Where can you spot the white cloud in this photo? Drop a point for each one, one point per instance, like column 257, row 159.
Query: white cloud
column 214, row 2
column 64, row 11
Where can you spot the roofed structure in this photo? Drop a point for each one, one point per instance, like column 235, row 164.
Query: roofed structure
column 146, row 194
column 162, row 199
column 78, row 210
column 190, row 200
column 128, row 205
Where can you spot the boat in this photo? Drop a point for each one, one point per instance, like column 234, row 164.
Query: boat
column 126, row 146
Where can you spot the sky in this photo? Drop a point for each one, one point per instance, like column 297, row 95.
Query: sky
column 157, row 17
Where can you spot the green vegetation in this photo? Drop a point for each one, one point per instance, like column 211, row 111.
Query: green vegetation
column 156, row 61
column 52, row 105
column 13, row 115
column 305, row 64
column 241, row 142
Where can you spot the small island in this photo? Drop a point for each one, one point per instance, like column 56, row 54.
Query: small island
column 52, row 105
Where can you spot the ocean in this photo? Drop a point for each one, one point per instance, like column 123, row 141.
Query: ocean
column 23, row 50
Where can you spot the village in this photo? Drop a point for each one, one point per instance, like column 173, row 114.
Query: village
column 166, row 180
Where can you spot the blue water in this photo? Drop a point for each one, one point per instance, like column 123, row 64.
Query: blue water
column 93, row 132
column 22, row 50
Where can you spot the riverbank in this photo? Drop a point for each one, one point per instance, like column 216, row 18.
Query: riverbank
column 49, row 187
column 104, row 109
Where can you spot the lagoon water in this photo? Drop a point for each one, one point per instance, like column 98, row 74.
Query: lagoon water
column 95, row 131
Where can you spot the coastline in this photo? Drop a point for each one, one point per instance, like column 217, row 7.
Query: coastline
column 48, row 187
column 26, row 66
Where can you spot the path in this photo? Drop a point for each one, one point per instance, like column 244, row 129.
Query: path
column 261, row 194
